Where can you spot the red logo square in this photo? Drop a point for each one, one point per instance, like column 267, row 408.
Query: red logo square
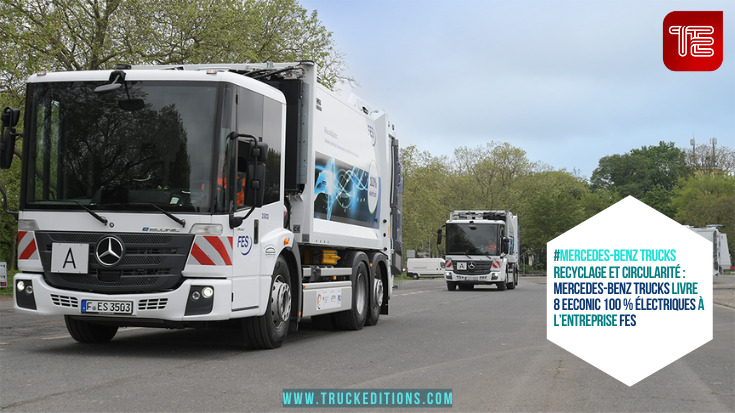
column 693, row 40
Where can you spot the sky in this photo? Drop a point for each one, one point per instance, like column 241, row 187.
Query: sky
column 569, row 82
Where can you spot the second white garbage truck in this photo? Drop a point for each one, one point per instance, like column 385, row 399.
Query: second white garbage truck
column 482, row 247
column 720, row 250
column 178, row 196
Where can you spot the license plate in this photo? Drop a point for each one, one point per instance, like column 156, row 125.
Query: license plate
column 107, row 307
column 69, row 258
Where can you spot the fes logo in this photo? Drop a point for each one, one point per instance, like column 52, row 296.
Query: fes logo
column 245, row 244
column 692, row 41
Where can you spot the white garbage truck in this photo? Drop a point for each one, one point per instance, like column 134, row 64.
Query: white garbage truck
column 720, row 250
column 482, row 247
column 179, row 196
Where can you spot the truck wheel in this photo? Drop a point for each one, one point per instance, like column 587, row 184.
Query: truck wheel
column 354, row 318
column 415, row 276
column 451, row 285
column 512, row 284
column 270, row 330
column 502, row 286
column 88, row 332
column 376, row 301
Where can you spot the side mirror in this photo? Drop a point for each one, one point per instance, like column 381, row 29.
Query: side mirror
column 255, row 189
column 251, row 160
column 438, row 236
column 258, row 152
column 10, row 118
column 505, row 245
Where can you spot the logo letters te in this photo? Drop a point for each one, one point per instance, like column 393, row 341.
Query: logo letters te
column 692, row 40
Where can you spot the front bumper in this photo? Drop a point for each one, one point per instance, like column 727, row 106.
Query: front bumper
column 184, row 304
column 490, row 278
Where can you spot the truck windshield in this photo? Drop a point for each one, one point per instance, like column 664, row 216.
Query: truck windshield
column 148, row 145
column 475, row 239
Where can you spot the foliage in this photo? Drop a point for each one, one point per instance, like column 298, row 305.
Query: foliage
column 10, row 182
column 709, row 158
column 552, row 207
column 426, row 190
column 649, row 174
column 493, row 176
column 596, row 201
column 705, row 199
column 88, row 35
column 490, row 173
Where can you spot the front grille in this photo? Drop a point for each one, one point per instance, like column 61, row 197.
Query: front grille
column 64, row 301
column 481, row 267
column 87, row 280
column 150, row 263
column 153, row 304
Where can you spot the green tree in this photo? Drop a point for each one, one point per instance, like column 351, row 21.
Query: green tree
column 486, row 176
column 650, row 174
column 554, row 205
column 10, row 181
column 596, row 201
column 89, row 35
column 704, row 199
column 426, row 192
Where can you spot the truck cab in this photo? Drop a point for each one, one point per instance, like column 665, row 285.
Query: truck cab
column 481, row 248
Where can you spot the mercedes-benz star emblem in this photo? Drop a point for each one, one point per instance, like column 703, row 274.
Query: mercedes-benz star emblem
column 471, row 266
column 109, row 251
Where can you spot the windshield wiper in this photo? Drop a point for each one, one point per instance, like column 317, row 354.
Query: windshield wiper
column 99, row 217
column 178, row 220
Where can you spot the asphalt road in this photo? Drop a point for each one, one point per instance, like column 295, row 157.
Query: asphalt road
column 488, row 347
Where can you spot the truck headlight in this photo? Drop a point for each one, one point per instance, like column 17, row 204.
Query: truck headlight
column 206, row 229
column 207, row 292
column 201, row 300
column 24, row 296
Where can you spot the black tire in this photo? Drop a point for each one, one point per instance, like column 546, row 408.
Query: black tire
column 89, row 332
column 376, row 299
column 354, row 318
column 502, row 286
column 451, row 285
column 415, row 276
column 512, row 285
column 270, row 330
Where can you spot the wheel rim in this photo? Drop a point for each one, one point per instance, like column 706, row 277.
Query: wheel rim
column 378, row 292
column 360, row 291
column 280, row 302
